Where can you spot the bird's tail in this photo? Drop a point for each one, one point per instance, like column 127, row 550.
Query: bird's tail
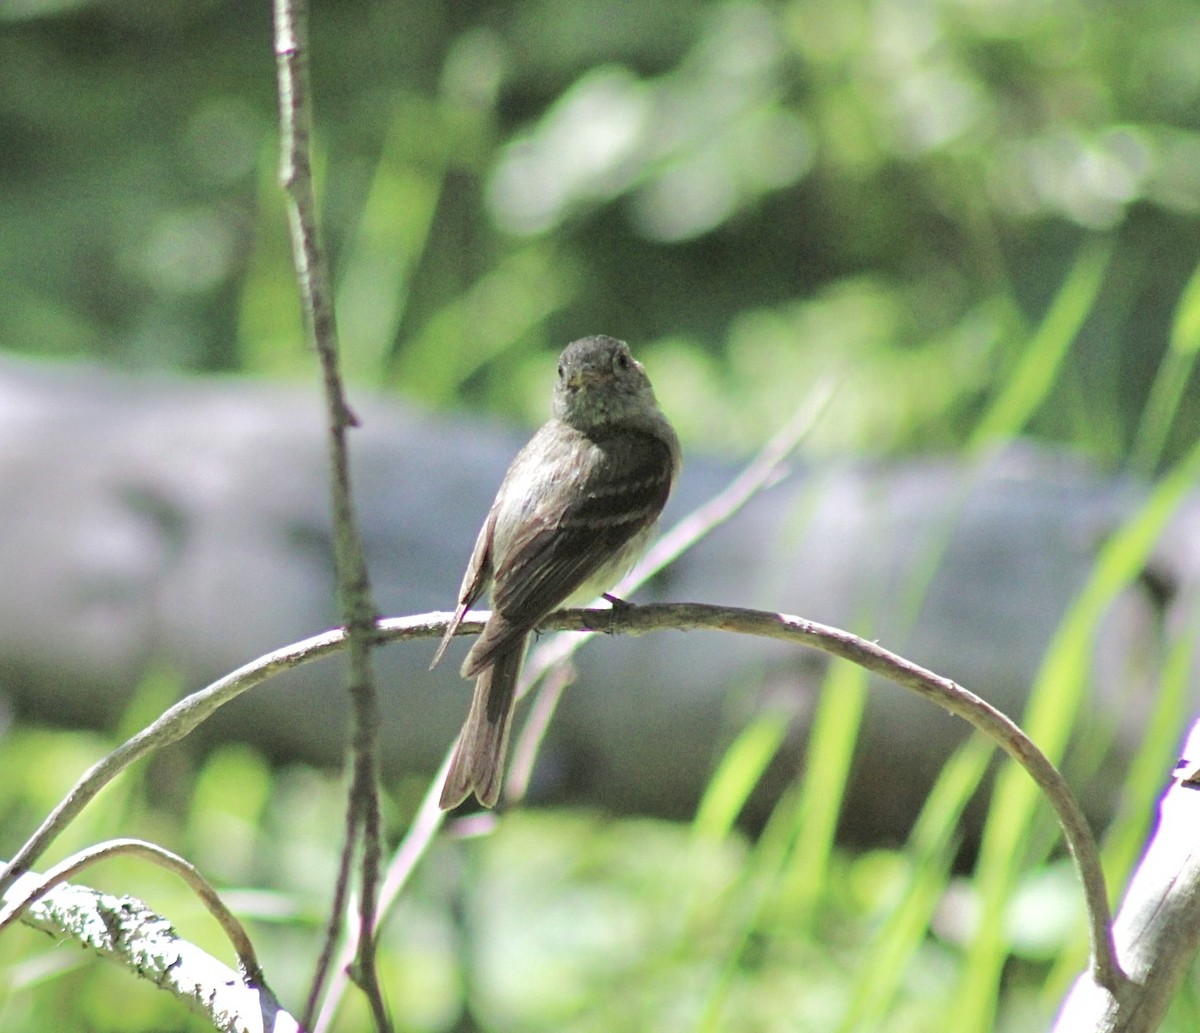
column 478, row 762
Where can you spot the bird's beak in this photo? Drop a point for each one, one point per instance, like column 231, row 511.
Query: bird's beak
column 585, row 377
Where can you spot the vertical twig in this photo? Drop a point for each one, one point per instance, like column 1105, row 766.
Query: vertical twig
column 295, row 172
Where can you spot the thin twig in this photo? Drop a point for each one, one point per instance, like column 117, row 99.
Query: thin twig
column 533, row 731
column 421, row 831
column 295, row 119
column 323, row 971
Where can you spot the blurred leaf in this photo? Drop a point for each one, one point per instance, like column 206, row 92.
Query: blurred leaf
column 1174, row 372
column 270, row 331
column 737, row 775
column 1057, row 694
column 495, row 314
column 929, row 856
column 826, row 772
column 1045, row 352
column 230, row 796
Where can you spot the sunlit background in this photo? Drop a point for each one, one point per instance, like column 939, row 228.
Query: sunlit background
column 939, row 206
column 754, row 194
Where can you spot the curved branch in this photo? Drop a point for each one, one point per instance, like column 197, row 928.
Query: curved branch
column 977, row 712
column 188, row 713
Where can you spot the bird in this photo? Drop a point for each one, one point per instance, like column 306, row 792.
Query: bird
column 574, row 512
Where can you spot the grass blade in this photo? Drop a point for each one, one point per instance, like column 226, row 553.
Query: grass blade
column 1054, row 702
column 737, row 775
column 1170, row 381
column 1038, row 367
column 930, row 854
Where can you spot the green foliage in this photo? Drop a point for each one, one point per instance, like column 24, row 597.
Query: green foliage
column 756, row 193
column 978, row 217
column 1058, row 693
column 1040, row 365
column 901, row 938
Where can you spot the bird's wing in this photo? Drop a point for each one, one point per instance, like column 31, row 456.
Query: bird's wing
column 622, row 484
column 474, row 582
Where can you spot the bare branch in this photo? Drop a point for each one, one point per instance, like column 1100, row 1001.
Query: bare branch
column 421, row 830
column 637, row 620
column 537, row 722
column 358, row 610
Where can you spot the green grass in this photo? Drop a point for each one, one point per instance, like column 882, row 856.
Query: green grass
column 1170, row 381
column 576, row 922
column 1041, row 361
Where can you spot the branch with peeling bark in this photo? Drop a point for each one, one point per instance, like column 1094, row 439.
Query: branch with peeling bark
column 125, row 930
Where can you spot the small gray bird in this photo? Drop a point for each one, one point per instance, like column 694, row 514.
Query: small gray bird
column 573, row 514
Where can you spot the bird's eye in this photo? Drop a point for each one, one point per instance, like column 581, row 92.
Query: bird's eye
column 561, row 371
column 623, row 359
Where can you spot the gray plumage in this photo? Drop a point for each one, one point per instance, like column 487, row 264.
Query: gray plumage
column 573, row 514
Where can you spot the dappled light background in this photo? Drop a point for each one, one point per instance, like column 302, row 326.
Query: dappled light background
column 976, row 219
column 892, row 193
